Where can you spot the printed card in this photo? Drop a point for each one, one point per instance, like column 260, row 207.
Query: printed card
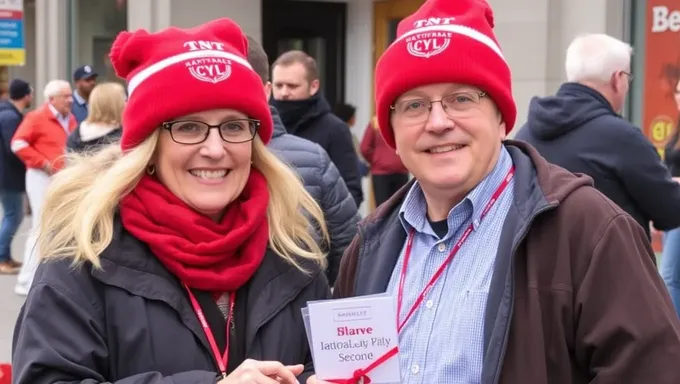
column 350, row 334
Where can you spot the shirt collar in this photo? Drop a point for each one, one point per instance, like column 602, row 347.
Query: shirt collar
column 55, row 112
column 413, row 212
column 79, row 99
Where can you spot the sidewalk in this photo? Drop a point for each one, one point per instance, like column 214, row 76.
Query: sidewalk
column 10, row 303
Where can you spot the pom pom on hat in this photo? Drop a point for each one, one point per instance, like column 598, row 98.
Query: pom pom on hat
column 445, row 41
column 176, row 72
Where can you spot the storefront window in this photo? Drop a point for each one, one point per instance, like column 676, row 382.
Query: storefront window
column 97, row 23
column 656, row 40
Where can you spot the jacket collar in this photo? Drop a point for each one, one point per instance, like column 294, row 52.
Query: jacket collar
column 578, row 89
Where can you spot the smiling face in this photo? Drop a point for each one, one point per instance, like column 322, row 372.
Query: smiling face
column 209, row 175
column 449, row 151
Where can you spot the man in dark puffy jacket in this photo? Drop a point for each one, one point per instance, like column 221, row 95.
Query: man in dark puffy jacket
column 319, row 175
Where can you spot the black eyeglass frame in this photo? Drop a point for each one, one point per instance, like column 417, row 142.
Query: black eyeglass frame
column 255, row 124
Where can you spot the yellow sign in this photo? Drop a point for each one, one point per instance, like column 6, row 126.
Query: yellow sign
column 12, row 57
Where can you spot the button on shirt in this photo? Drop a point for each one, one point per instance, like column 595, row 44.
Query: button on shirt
column 443, row 341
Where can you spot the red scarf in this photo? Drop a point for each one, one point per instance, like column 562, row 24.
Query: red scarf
column 203, row 254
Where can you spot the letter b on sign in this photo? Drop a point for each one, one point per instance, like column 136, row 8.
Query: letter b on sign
column 663, row 21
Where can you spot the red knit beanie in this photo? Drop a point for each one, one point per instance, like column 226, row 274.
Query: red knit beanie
column 176, row 72
column 445, row 41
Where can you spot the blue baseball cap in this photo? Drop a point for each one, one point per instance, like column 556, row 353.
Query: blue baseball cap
column 84, row 72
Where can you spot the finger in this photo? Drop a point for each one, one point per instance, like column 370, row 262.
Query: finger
column 278, row 370
column 253, row 376
column 296, row 369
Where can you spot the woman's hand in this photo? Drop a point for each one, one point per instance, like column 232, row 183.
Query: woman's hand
column 263, row 372
column 313, row 380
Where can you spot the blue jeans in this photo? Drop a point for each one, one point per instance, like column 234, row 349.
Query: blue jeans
column 12, row 215
column 670, row 265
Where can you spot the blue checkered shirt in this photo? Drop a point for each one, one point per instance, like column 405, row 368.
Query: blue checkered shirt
column 443, row 342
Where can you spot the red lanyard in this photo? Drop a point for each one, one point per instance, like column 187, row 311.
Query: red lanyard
column 454, row 251
column 221, row 359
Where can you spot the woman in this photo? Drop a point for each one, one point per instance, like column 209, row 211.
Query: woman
column 189, row 218
column 669, row 267
column 102, row 125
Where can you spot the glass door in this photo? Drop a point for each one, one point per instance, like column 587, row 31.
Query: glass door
column 317, row 28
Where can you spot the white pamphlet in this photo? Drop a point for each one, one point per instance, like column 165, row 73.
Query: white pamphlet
column 346, row 335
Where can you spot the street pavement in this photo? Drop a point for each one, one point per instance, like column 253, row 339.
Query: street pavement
column 10, row 303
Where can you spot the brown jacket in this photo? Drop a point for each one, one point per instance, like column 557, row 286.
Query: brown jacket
column 575, row 296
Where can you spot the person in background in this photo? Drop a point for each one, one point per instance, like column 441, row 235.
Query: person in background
column 504, row 268
column 181, row 254
column 580, row 129
column 305, row 112
column 103, row 123
column 347, row 113
column 40, row 143
column 12, row 171
column 388, row 173
column 670, row 258
column 85, row 79
column 319, row 175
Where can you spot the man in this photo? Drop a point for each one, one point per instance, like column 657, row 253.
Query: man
column 12, row 172
column 580, row 129
column 506, row 268
column 40, row 143
column 85, row 79
column 306, row 113
column 320, row 177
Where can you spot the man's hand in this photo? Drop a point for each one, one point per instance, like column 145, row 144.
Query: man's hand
column 47, row 168
column 263, row 372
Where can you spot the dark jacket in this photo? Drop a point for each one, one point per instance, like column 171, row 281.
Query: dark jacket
column 12, row 169
column 575, row 296
column 132, row 322
column 80, row 111
column 313, row 120
column 577, row 129
column 76, row 143
column 672, row 154
column 322, row 180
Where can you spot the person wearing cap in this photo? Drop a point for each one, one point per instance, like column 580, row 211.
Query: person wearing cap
column 12, row 171
column 182, row 254
column 503, row 268
column 85, row 79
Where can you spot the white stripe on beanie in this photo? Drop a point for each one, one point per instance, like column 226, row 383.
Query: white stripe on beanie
column 156, row 67
column 459, row 29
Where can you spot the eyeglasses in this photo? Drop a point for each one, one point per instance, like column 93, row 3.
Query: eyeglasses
column 196, row 132
column 630, row 76
column 415, row 111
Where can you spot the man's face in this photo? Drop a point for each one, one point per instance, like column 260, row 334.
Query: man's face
column 290, row 83
column 620, row 83
column 85, row 86
column 63, row 100
column 452, row 149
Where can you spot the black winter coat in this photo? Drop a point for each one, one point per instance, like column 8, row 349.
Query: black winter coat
column 132, row 322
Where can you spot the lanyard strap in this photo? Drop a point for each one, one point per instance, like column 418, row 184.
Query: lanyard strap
column 221, row 359
column 454, row 251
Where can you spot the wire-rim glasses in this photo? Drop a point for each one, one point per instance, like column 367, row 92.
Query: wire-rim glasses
column 417, row 110
column 195, row 132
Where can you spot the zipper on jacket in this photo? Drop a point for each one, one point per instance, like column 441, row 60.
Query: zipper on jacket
column 523, row 235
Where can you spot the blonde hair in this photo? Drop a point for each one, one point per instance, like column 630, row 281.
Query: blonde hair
column 78, row 211
column 106, row 104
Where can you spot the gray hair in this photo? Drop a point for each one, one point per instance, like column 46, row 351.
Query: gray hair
column 55, row 87
column 595, row 57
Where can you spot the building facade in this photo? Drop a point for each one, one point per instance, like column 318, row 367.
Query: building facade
column 346, row 36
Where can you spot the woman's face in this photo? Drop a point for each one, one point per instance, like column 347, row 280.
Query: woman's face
column 206, row 174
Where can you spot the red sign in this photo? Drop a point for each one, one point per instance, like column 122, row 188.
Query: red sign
column 662, row 70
